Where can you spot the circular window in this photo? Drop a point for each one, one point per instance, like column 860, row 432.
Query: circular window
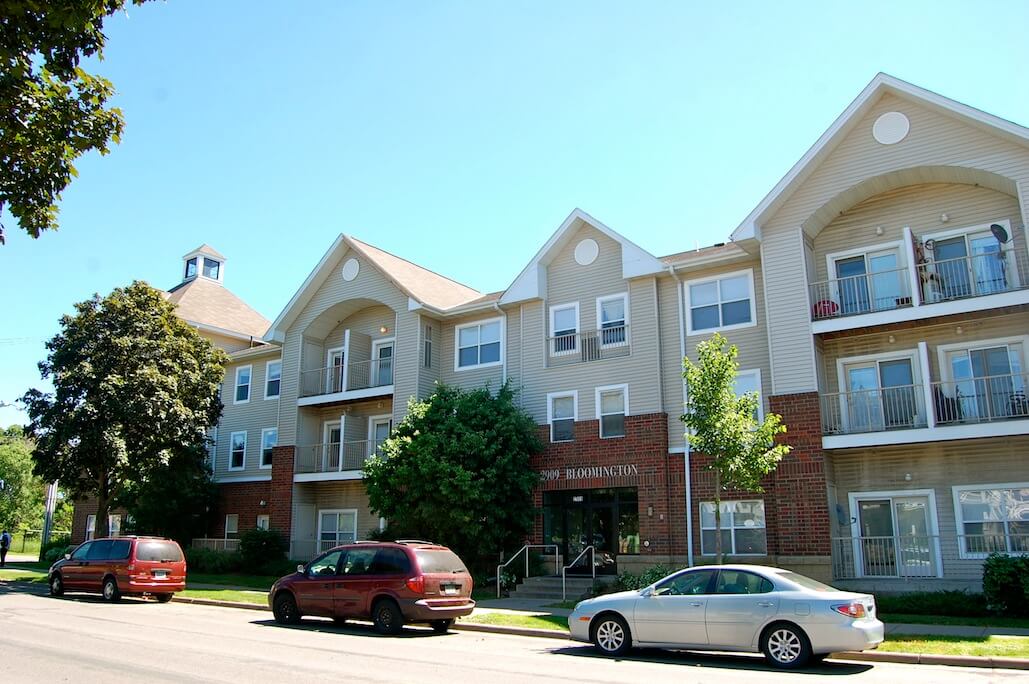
column 350, row 269
column 586, row 252
column 890, row 128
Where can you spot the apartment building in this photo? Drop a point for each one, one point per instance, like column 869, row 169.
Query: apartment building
column 878, row 297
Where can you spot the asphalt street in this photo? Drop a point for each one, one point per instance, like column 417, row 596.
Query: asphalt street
column 81, row 639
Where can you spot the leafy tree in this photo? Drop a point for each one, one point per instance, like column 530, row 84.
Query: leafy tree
column 21, row 497
column 51, row 110
column 456, row 471
column 725, row 427
column 134, row 385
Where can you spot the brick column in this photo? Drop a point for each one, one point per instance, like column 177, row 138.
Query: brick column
column 280, row 501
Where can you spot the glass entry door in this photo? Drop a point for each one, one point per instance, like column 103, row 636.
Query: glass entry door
column 334, row 372
column 881, row 395
column 870, row 282
column 896, row 537
column 606, row 519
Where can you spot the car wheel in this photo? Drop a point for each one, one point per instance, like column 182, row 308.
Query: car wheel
column 110, row 590
column 285, row 609
column 786, row 646
column 163, row 598
column 56, row 585
column 387, row 617
column 611, row 635
column 441, row 626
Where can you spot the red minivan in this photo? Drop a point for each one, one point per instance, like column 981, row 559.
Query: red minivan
column 122, row 566
column 390, row 583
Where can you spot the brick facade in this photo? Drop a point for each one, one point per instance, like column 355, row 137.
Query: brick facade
column 83, row 509
column 280, row 501
column 243, row 499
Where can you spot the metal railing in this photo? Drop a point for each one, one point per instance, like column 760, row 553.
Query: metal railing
column 971, row 276
column 333, row 457
column 594, row 345
column 876, row 410
column 921, row 556
column 981, row 400
column 860, row 294
column 359, row 375
column 223, row 545
column 593, row 567
column 525, row 550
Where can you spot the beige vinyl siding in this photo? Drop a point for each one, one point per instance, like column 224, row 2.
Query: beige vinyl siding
column 226, row 343
column 406, row 362
column 671, row 360
column 934, row 140
column 368, row 289
column 251, row 417
column 428, row 377
column 312, row 497
column 470, row 378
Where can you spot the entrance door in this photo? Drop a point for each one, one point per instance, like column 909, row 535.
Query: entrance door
column 332, row 447
column 379, row 429
column 334, row 372
column 896, row 536
column 881, row 395
column 382, row 366
column 988, row 382
column 606, row 519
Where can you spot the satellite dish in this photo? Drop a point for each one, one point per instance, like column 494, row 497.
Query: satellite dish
column 999, row 232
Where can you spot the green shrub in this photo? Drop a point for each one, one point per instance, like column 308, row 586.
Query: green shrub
column 951, row 603
column 259, row 547
column 56, row 548
column 628, row 581
column 213, row 562
column 1004, row 584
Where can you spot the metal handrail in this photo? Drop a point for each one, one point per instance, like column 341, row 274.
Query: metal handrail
column 589, row 345
column 526, row 550
column 858, row 294
column 593, row 566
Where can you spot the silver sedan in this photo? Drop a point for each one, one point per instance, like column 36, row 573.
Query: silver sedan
column 790, row 618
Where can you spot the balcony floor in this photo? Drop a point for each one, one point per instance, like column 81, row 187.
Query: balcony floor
column 348, row 397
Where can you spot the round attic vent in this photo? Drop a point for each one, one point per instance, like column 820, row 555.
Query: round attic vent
column 350, row 269
column 890, row 128
column 586, row 252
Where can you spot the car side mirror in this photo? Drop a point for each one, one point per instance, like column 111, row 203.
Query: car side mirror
column 301, row 568
column 647, row 593
column 67, row 556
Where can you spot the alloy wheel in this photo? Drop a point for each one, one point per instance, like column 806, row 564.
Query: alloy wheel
column 610, row 636
column 784, row 646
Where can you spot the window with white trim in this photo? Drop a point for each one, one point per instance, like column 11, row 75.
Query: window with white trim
column 191, row 268
column 272, row 379
column 612, row 405
column 264, row 522
column 992, row 519
column 211, row 268
column 720, row 303
column 564, row 328
column 478, row 345
column 232, row 526
column 612, row 315
column 750, row 381
column 242, row 394
column 743, row 528
column 238, row 450
column 562, row 409
column 336, row 527
column 269, row 440
column 427, row 347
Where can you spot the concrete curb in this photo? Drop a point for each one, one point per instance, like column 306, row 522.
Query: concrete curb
column 222, row 604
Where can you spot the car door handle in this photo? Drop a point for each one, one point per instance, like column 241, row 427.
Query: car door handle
column 696, row 604
column 765, row 604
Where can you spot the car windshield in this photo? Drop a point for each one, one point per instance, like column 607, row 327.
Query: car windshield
column 806, row 582
column 439, row 560
column 167, row 551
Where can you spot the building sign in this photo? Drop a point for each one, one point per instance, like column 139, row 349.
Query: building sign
column 587, row 472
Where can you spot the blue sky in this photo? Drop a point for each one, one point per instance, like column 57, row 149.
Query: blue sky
column 460, row 135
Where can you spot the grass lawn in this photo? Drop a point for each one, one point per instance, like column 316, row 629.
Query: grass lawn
column 10, row 574
column 509, row 620
column 567, row 605
column 1001, row 646
column 995, row 621
column 263, row 582
column 256, row 597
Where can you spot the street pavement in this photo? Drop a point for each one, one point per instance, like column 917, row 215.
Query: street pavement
column 81, row 639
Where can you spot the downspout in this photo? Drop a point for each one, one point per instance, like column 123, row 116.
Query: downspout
column 503, row 342
column 686, row 452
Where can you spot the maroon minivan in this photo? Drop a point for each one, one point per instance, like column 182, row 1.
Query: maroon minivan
column 122, row 566
column 390, row 583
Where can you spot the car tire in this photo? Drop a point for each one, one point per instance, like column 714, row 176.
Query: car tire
column 441, row 626
column 387, row 617
column 285, row 609
column 109, row 590
column 786, row 646
column 56, row 585
column 163, row 598
column 610, row 635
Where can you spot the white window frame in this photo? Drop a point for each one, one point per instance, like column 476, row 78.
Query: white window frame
column 732, row 528
column 624, row 388
column 866, row 252
column 250, row 385
column 943, row 350
column 372, row 422
column 196, row 268
column 553, row 333
column 344, row 352
column 234, row 517
column 378, row 344
column 982, row 228
column 266, row 519
column 202, row 267
column 687, row 314
column 336, row 511
column 264, row 432
column 855, row 525
column 457, row 344
column 90, row 526
column 232, row 439
column 756, row 373
column 574, row 394
column 959, row 521
column 426, row 346
column 624, row 296
column 267, row 379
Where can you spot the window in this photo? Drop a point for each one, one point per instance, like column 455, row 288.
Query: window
column 612, row 404
column 750, row 381
column 325, row 566
column 113, row 526
column 743, row 528
column 381, row 370
column 611, row 318
column 740, row 582
column 720, row 304
column 191, row 268
column 90, row 526
column 881, row 392
column 992, row 519
column 264, row 522
column 564, row 328
column 690, row 583
column 968, row 262
column 392, row 561
column 427, row 347
column 120, row 549
column 562, row 409
column 269, row 440
column 231, row 526
column 211, row 268
column 272, row 379
column 237, row 450
column 336, row 527
column 242, row 385
column 100, row 550
column 83, row 551
column 985, row 382
column 871, row 280
column 379, row 428
column 478, row 345
column 358, row 562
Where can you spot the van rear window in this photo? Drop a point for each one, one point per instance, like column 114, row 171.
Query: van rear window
column 166, row 551
column 438, row 561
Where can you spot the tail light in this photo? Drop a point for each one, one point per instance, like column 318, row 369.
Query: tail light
column 855, row 609
column 417, row 584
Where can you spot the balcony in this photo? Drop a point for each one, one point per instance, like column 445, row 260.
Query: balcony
column 907, row 557
column 595, row 345
column 877, row 410
column 861, row 294
column 358, row 380
column 334, row 460
column 981, row 400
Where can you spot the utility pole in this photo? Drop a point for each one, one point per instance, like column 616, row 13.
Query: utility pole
column 48, row 517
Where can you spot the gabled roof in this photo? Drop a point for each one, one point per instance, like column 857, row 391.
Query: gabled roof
column 207, row 303
column 882, row 83
column 636, row 261
column 205, row 249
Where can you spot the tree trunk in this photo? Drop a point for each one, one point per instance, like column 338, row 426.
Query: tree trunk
column 718, row 518
column 102, row 524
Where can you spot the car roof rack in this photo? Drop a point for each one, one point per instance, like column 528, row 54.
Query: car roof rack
column 415, row 541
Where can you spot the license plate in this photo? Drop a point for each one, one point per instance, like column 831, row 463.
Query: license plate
column 450, row 589
column 160, row 574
